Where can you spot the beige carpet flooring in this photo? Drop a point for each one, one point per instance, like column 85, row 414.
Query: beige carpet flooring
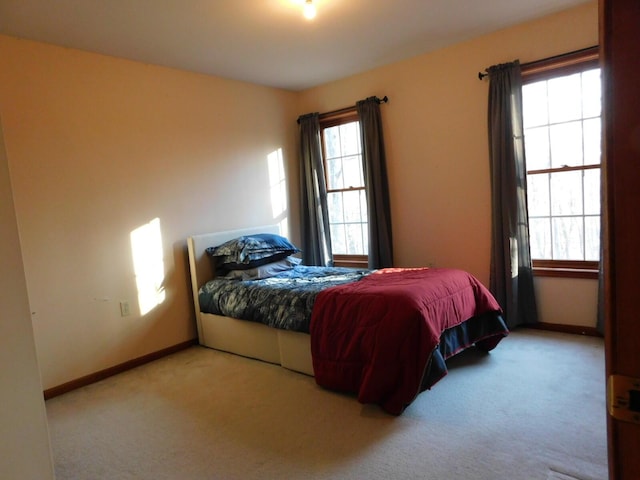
column 534, row 408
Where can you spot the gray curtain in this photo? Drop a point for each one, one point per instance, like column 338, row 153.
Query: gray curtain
column 316, row 238
column 511, row 276
column 600, row 319
column 377, row 188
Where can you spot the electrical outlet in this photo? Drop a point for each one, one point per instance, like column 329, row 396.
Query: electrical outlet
column 125, row 309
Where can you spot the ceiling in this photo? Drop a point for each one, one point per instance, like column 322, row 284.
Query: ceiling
column 266, row 42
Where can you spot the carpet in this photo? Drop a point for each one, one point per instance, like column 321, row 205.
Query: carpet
column 532, row 408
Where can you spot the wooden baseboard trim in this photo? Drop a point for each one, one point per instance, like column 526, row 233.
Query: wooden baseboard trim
column 122, row 367
column 556, row 327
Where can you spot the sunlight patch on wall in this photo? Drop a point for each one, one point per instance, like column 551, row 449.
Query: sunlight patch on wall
column 278, row 189
column 148, row 264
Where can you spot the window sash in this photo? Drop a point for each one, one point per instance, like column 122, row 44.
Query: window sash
column 353, row 261
column 575, row 62
column 343, row 117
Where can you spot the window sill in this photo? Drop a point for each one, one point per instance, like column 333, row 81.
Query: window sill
column 353, row 261
column 565, row 272
column 566, row 269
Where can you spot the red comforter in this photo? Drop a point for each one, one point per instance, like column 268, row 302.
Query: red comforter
column 375, row 337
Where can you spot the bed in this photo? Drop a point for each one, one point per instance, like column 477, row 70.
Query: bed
column 377, row 335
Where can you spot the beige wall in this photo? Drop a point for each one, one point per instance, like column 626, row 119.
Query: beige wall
column 24, row 437
column 99, row 146
column 436, row 140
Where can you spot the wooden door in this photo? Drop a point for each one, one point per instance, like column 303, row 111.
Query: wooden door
column 620, row 52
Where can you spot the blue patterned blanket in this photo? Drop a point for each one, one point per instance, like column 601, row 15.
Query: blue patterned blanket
column 283, row 301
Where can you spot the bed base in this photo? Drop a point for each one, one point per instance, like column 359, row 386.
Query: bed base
column 291, row 350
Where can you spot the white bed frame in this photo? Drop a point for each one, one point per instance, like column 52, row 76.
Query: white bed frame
column 290, row 349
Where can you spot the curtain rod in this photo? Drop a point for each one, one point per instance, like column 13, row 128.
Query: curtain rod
column 481, row 75
column 340, row 111
column 384, row 99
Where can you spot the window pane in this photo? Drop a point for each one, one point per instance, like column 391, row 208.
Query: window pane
column 591, row 93
column 534, row 104
column 565, row 98
column 538, row 195
column 365, row 239
column 566, row 193
column 334, row 203
column 592, row 191
column 537, row 148
column 566, row 144
column 338, row 239
column 355, row 245
column 352, row 211
column 353, row 171
column 567, row 238
column 334, row 174
column 350, row 138
column 592, row 140
column 332, row 141
column 540, row 237
column 592, row 238
column 363, row 206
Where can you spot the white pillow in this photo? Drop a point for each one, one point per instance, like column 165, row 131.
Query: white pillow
column 265, row 271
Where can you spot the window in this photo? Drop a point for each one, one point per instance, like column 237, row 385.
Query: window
column 346, row 198
column 562, row 132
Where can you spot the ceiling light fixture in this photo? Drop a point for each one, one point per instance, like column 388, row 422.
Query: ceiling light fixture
column 309, row 10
